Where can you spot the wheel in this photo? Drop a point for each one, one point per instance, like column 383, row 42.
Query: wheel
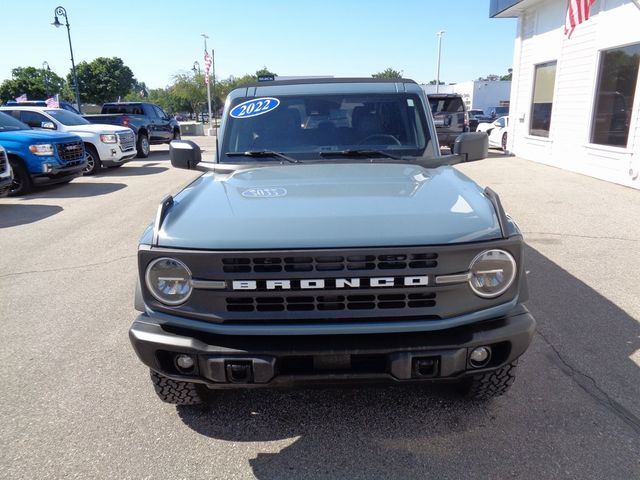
column 143, row 145
column 176, row 134
column 503, row 143
column 21, row 184
column 174, row 391
column 93, row 160
column 491, row 384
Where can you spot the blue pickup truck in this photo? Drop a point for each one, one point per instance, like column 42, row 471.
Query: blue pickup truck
column 39, row 158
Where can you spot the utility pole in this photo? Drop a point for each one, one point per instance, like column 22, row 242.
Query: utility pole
column 439, row 35
column 206, row 71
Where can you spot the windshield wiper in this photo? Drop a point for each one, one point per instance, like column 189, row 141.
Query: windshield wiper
column 358, row 153
column 262, row 154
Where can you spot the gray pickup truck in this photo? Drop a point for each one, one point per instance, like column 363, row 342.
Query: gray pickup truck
column 330, row 241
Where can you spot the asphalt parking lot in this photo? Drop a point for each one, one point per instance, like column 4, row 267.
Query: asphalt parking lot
column 77, row 403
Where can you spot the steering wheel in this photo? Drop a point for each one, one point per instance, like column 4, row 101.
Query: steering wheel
column 391, row 140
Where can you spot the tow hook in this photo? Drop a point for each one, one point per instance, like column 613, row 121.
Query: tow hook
column 239, row 372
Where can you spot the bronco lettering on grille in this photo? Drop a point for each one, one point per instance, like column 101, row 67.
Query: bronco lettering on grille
column 319, row 283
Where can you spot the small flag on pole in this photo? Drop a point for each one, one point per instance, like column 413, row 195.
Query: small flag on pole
column 577, row 12
column 208, row 61
column 22, row 98
column 52, row 102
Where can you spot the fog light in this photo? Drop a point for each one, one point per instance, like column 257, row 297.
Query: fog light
column 480, row 356
column 185, row 362
column 47, row 167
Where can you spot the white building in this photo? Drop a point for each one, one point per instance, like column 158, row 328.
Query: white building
column 575, row 102
column 478, row 94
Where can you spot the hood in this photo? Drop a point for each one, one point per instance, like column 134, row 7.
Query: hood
column 329, row 206
column 39, row 136
column 97, row 128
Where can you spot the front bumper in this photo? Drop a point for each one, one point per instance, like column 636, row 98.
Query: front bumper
column 111, row 154
column 59, row 174
column 5, row 185
column 285, row 360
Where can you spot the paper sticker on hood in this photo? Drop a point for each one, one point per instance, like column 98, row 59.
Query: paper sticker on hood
column 268, row 192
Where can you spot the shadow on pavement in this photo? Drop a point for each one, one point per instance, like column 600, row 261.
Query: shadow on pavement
column 75, row 190
column 13, row 215
column 133, row 171
column 546, row 427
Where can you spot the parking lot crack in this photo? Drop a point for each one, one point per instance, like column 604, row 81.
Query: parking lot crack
column 589, row 385
column 592, row 237
column 72, row 267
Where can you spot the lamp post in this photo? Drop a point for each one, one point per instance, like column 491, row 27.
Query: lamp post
column 56, row 23
column 196, row 68
column 45, row 73
column 439, row 35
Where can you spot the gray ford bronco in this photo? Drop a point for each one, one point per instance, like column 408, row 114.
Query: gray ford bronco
column 330, row 242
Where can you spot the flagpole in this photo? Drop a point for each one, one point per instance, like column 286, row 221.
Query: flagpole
column 208, row 89
column 213, row 74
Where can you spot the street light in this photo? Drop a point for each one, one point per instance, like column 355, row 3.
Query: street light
column 45, row 73
column 196, row 67
column 439, row 35
column 56, row 23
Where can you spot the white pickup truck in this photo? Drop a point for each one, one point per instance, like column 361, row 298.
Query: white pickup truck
column 105, row 145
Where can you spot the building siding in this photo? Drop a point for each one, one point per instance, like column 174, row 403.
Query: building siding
column 541, row 39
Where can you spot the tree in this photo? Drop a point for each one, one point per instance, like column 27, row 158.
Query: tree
column 388, row 73
column 103, row 79
column 489, row 78
column 263, row 72
column 188, row 92
column 508, row 75
column 31, row 80
column 435, row 82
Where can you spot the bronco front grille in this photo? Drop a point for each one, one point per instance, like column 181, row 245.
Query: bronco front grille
column 70, row 152
column 308, row 303
column 126, row 141
column 330, row 263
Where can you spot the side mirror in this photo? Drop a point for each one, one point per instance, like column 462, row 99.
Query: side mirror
column 48, row 125
column 184, row 154
column 472, row 146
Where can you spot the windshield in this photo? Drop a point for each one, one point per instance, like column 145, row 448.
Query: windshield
column 309, row 126
column 67, row 118
column 8, row 123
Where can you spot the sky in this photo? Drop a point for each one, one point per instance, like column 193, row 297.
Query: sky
column 158, row 39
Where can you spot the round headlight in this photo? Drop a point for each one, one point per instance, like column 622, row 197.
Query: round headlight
column 169, row 281
column 492, row 273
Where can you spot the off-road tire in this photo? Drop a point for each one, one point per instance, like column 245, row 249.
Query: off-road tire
column 22, row 183
column 142, row 146
column 174, row 391
column 491, row 384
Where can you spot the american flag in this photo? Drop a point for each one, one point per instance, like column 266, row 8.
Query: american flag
column 577, row 12
column 208, row 61
column 22, row 98
column 52, row 102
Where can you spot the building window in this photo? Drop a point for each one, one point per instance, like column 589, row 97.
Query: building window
column 617, row 78
column 544, row 82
